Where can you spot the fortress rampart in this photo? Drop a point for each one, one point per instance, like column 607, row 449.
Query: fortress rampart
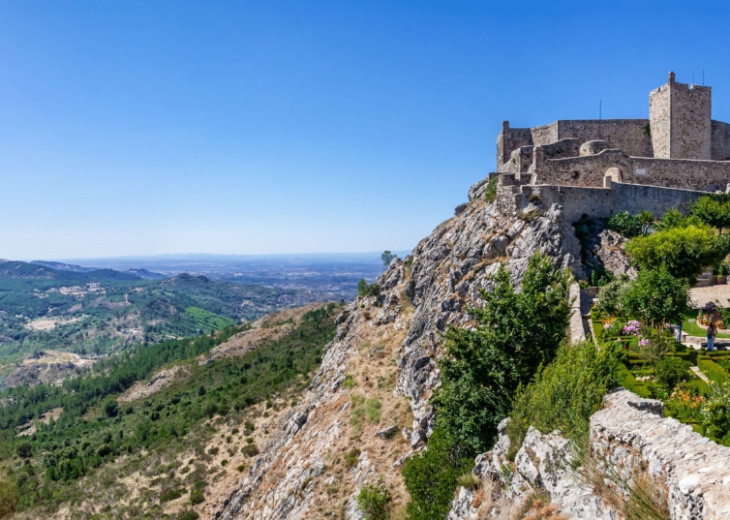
column 679, row 147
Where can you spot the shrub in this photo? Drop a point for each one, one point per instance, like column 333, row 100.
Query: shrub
column 670, row 371
column 565, row 393
column 349, row 381
column 712, row 370
column 249, row 426
column 24, row 450
column 197, row 497
column 188, row 515
column 431, row 477
column 111, row 408
column 610, row 297
column 365, row 289
column 373, row 501
column 8, row 498
column 656, row 297
column 715, row 413
column 173, row 494
column 250, row 450
column 467, row 480
column 685, row 251
column 352, row 458
column 484, row 366
column 625, row 224
column 490, row 191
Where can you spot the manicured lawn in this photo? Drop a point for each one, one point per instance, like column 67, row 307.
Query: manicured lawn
column 689, row 326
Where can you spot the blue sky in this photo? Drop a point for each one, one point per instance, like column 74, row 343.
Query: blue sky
column 138, row 127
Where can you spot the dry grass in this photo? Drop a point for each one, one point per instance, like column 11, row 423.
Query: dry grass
column 631, row 491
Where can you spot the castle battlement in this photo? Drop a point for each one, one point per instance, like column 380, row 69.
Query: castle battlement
column 678, row 146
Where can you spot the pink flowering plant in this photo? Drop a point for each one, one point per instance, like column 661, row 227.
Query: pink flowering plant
column 631, row 328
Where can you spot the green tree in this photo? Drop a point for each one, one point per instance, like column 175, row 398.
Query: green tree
column 713, row 210
column 430, row 477
column 387, row 257
column 517, row 332
column 365, row 289
column 656, row 297
column 685, row 251
column 24, row 450
column 111, row 408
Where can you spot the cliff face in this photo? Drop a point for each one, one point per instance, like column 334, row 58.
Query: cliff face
column 386, row 350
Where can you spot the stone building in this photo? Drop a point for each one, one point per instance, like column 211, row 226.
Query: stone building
column 679, row 147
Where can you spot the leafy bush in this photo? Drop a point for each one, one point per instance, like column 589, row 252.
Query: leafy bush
column 712, row 370
column 565, row 393
column 627, row 380
column 431, row 477
column 352, row 458
column 373, row 501
column 715, row 413
column 484, row 366
column 197, row 497
column 670, row 371
column 250, row 450
column 685, row 251
column 173, row 494
column 625, row 224
column 365, row 289
column 188, row 515
column 713, row 210
column 111, row 408
column 610, row 297
column 490, row 191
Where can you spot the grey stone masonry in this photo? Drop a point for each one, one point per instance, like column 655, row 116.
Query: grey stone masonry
column 678, row 146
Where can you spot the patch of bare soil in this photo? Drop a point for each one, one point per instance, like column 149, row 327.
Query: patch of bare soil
column 143, row 389
column 50, row 323
column 46, row 367
column 269, row 328
column 30, row 428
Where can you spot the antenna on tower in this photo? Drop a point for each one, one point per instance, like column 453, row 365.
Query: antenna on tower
column 600, row 117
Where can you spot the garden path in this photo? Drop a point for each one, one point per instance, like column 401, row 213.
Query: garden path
column 699, row 374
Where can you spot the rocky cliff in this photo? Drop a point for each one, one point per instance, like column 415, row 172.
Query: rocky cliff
column 385, row 350
column 367, row 409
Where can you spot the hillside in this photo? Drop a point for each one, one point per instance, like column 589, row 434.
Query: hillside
column 163, row 430
column 368, row 415
column 96, row 312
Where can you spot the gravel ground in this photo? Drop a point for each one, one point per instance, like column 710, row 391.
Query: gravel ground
column 715, row 293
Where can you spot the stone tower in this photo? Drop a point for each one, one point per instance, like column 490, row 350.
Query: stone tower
column 680, row 116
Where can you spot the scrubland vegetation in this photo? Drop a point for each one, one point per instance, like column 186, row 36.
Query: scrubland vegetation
column 95, row 432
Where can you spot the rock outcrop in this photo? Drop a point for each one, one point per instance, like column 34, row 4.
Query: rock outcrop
column 630, row 440
column 419, row 298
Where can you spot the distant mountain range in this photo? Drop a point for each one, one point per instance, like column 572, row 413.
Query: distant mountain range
column 67, row 307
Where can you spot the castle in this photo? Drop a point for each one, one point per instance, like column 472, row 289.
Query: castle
column 678, row 147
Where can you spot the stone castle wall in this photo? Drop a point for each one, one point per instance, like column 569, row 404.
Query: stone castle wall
column 720, row 141
column 630, row 135
column 597, row 202
column 590, row 171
